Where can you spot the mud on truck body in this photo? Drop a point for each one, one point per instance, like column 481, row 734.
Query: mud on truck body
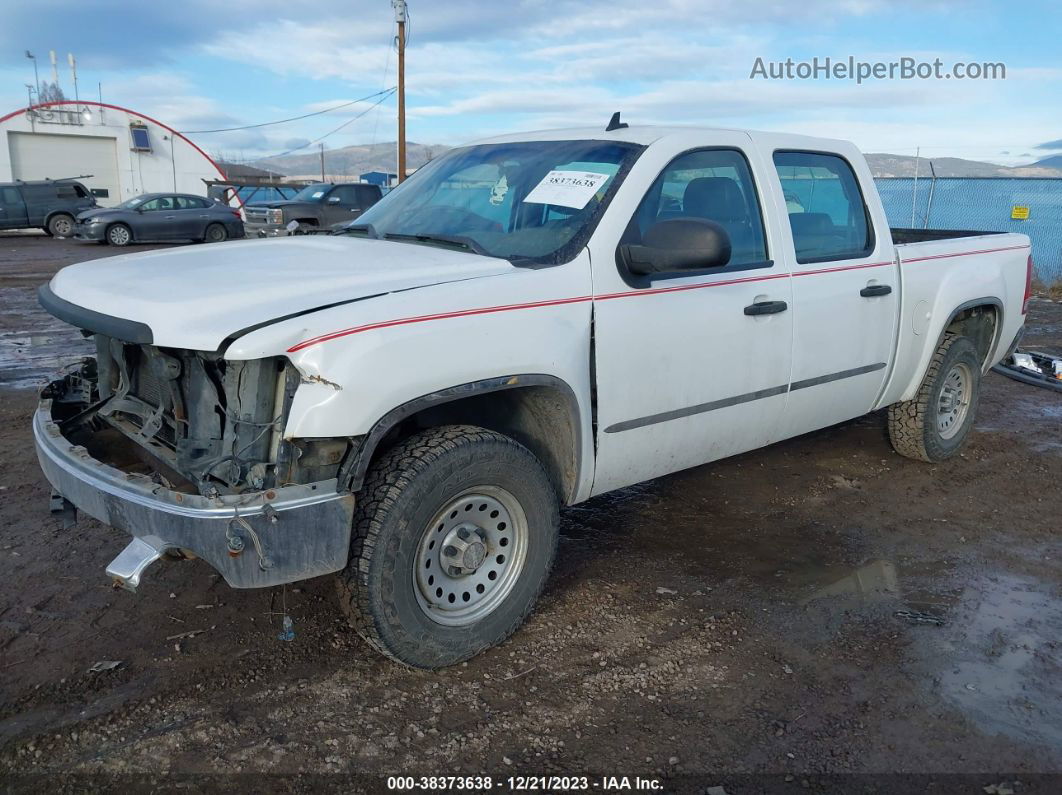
column 523, row 324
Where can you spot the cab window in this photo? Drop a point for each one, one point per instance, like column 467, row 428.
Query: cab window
column 714, row 184
column 827, row 214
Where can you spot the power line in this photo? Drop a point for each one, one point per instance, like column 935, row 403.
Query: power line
column 385, row 92
column 349, row 121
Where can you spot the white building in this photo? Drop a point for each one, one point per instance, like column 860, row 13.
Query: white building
column 125, row 152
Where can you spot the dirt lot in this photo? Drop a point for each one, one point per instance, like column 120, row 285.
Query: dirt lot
column 819, row 607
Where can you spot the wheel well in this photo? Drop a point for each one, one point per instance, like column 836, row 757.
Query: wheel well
column 981, row 323
column 310, row 221
column 543, row 418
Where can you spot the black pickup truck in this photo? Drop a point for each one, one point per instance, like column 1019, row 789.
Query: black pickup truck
column 315, row 208
column 48, row 204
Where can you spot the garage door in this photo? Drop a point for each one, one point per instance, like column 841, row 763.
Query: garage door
column 44, row 156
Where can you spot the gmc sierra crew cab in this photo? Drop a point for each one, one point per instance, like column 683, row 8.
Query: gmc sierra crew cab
column 525, row 323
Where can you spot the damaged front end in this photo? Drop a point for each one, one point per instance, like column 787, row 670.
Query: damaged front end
column 185, row 450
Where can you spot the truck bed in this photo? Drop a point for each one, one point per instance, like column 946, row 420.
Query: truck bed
column 902, row 235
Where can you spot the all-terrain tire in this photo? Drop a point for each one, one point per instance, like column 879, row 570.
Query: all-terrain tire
column 915, row 425
column 61, row 225
column 397, row 511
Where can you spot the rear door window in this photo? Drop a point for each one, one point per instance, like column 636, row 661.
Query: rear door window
column 827, row 214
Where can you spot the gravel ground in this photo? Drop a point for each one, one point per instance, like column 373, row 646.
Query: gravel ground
column 819, row 607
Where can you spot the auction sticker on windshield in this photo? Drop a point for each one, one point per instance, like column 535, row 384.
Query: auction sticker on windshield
column 567, row 188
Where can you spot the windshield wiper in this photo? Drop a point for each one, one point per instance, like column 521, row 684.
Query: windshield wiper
column 460, row 241
column 368, row 229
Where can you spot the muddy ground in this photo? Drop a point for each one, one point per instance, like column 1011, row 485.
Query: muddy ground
column 819, row 607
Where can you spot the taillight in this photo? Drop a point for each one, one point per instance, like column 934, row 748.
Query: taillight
column 237, row 213
column 1028, row 286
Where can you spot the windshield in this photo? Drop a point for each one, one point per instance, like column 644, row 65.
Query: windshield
column 311, row 193
column 536, row 200
column 129, row 204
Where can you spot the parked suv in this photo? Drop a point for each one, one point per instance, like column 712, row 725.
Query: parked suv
column 316, row 207
column 51, row 205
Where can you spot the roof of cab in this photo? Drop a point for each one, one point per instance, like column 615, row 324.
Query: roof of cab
column 639, row 134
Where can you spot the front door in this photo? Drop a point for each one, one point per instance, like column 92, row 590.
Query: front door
column 845, row 288
column 688, row 368
column 157, row 219
column 12, row 209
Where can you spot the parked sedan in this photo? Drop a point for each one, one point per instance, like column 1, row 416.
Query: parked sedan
column 160, row 216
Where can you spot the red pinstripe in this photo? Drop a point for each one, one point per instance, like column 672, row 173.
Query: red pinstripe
column 609, row 296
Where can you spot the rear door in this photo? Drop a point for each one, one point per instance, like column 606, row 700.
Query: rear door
column 685, row 374
column 342, row 205
column 845, row 285
column 191, row 217
column 12, row 209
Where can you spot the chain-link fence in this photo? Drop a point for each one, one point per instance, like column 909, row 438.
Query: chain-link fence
column 987, row 204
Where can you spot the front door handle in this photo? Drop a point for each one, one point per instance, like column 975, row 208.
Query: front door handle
column 766, row 308
column 875, row 289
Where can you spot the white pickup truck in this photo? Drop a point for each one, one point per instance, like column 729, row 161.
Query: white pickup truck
column 525, row 323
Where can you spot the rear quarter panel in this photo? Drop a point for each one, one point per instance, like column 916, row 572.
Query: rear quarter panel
column 939, row 278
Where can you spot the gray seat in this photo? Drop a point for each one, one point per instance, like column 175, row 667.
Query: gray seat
column 720, row 199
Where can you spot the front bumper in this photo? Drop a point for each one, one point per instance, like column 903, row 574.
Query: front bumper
column 255, row 229
column 83, row 231
column 253, row 540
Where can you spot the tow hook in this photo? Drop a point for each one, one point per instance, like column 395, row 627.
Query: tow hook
column 129, row 566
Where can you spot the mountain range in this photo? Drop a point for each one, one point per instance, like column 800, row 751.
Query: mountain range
column 350, row 161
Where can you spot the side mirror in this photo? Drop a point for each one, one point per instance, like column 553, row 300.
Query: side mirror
column 679, row 244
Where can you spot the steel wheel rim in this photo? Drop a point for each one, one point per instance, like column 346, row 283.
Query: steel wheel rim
column 487, row 516
column 953, row 402
column 63, row 226
column 217, row 234
column 119, row 235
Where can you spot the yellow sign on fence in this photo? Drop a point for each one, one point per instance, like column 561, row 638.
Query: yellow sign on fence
column 1019, row 213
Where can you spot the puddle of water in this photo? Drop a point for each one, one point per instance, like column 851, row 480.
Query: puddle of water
column 1005, row 673
column 876, row 579
column 35, row 345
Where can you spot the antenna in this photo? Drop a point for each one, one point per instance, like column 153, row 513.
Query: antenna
column 615, row 124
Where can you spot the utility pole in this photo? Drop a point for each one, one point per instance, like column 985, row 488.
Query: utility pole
column 36, row 79
column 322, row 162
column 400, row 18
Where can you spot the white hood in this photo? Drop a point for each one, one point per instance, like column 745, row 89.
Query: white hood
column 196, row 297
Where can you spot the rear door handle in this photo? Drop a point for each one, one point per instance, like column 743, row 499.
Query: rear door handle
column 766, row 308
column 875, row 289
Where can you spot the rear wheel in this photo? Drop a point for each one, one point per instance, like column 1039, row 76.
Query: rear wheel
column 119, row 235
column 454, row 536
column 934, row 425
column 215, row 233
column 61, row 225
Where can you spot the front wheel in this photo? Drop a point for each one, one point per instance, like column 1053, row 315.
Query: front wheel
column 934, row 425
column 454, row 537
column 119, row 235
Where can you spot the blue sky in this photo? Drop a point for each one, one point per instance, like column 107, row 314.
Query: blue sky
column 476, row 68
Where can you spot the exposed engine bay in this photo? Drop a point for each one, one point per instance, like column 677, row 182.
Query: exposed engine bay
column 192, row 420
